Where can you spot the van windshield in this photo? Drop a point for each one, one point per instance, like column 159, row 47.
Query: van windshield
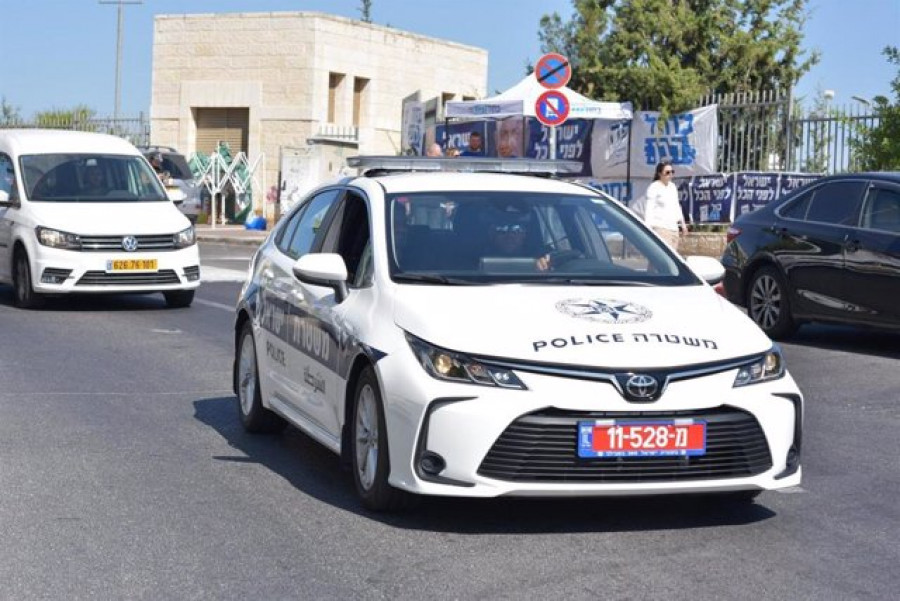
column 90, row 178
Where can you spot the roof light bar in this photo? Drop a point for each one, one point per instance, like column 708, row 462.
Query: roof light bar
column 385, row 164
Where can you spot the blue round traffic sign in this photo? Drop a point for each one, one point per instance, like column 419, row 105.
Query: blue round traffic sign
column 552, row 108
column 553, row 71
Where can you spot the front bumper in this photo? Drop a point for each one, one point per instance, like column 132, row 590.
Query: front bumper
column 492, row 442
column 57, row 271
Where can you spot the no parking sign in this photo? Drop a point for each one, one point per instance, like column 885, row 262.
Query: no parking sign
column 552, row 108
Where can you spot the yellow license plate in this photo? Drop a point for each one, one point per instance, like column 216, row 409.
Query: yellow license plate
column 132, row 265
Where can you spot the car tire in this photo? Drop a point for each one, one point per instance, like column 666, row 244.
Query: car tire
column 768, row 304
column 178, row 299
column 254, row 417
column 24, row 295
column 369, row 448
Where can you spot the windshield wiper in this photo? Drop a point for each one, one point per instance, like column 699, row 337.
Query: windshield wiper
column 430, row 278
column 592, row 282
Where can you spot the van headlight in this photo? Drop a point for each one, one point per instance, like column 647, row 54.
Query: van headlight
column 185, row 238
column 457, row 367
column 57, row 239
column 769, row 366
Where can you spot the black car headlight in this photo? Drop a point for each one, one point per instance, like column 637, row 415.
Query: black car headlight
column 57, row 239
column 769, row 366
column 185, row 238
column 450, row 366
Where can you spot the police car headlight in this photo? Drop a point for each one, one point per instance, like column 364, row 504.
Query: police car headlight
column 767, row 367
column 185, row 238
column 457, row 367
column 57, row 239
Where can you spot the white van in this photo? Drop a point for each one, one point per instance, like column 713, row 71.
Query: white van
column 84, row 213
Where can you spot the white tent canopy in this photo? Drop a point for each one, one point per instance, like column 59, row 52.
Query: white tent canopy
column 520, row 99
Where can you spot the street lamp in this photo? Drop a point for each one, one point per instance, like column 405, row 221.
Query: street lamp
column 120, row 4
column 861, row 100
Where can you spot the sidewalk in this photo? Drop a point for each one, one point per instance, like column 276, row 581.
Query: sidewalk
column 230, row 234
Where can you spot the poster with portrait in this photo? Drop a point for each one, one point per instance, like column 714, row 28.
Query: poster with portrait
column 456, row 135
column 413, row 127
column 688, row 140
column 710, row 197
column 573, row 142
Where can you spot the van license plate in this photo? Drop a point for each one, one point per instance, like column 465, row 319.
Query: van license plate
column 132, row 265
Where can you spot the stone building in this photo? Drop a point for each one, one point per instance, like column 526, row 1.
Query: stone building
column 318, row 86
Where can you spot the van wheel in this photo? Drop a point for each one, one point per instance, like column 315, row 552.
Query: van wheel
column 254, row 416
column 179, row 298
column 24, row 295
column 369, row 448
column 768, row 304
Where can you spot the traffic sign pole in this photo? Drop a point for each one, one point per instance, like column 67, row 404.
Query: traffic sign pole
column 553, row 143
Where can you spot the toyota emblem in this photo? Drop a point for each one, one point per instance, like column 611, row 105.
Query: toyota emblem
column 130, row 243
column 641, row 388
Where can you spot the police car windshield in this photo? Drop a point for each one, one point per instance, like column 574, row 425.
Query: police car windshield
column 90, row 178
column 501, row 237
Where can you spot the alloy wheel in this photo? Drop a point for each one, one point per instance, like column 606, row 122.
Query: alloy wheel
column 247, row 374
column 366, row 434
column 766, row 301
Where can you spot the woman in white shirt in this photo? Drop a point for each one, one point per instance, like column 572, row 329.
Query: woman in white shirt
column 660, row 209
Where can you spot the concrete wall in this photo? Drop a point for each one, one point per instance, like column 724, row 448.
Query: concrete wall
column 277, row 65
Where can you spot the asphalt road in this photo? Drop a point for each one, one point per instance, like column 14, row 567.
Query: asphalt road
column 125, row 474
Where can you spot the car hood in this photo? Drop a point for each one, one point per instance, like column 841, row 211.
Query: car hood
column 110, row 218
column 614, row 327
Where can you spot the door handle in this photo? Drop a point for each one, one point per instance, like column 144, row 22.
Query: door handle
column 851, row 245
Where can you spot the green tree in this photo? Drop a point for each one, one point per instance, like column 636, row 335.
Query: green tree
column 365, row 10
column 80, row 117
column 9, row 114
column 667, row 54
column 878, row 147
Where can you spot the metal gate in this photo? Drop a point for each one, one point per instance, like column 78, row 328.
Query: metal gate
column 768, row 131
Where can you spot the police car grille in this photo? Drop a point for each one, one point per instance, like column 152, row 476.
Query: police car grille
column 542, row 447
column 114, row 243
column 101, row 278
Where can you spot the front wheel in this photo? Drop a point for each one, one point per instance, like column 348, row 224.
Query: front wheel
column 254, row 416
column 369, row 448
column 768, row 304
column 24, row 295
column 177, row 299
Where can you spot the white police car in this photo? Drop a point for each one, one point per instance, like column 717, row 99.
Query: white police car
column 83, row 213
column 485, row 334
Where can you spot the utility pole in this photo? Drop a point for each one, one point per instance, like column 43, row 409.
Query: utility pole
column 120, row 4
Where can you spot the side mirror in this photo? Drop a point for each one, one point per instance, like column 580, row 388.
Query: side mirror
column 323, row 269
column 707, row 268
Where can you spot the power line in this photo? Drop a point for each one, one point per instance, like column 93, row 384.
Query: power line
column 120, row 4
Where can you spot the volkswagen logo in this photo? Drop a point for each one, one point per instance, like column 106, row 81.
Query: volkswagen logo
column 129, row 243
column 641, row 388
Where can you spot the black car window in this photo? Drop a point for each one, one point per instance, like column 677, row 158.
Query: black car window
column 796, row 209
column 836, row 203
column 882, row 210
column 310, row 221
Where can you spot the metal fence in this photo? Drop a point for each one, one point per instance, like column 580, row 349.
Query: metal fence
column 768, row 131
column 134, row 129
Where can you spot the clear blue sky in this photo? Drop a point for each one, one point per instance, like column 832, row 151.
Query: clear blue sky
column 59, row 53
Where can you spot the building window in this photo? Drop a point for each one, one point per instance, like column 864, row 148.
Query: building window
column 335, row 80
column 445, row 98
column 359, row 99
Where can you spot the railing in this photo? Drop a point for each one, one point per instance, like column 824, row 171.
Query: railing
column 134, row 129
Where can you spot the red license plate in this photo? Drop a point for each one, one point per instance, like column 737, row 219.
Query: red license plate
column 610, row 438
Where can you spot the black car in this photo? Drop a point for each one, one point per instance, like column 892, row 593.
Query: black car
column 829, row 252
